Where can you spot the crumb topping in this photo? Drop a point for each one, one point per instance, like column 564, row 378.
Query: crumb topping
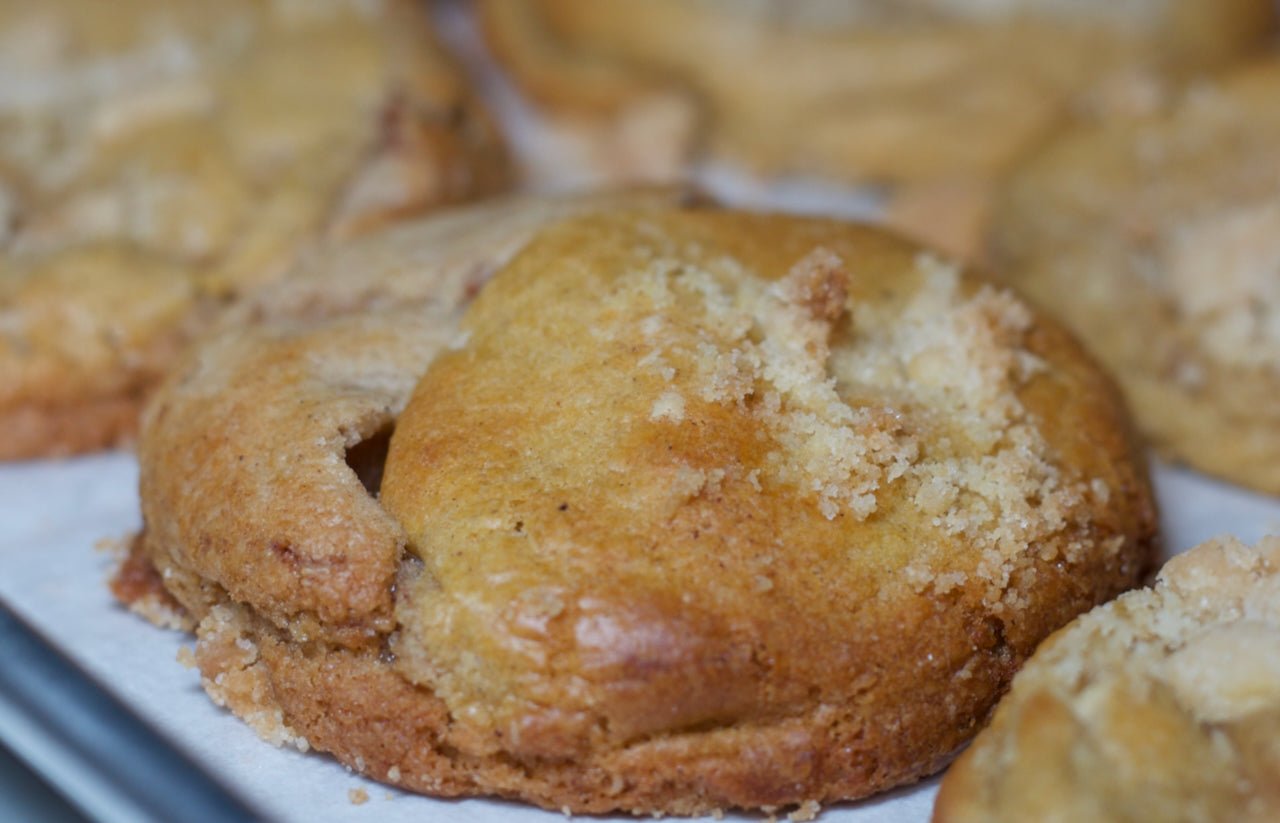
column 668, row 406
column 1162, row 704
column 1209, row 632
column 1223, row 274
column 763, row 348
column 1220, row 632
column 849, row 389
column 957, row 361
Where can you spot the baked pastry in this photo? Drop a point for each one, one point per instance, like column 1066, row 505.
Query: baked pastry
column 345, row 334
column 694, row 509
column 1159, row 242
column 157, row 158
column 1161, row 706
column 941, row 95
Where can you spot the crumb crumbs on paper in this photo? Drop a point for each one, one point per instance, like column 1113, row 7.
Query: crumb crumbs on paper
column 114, row 546
column 808, row 811
column 358, row 797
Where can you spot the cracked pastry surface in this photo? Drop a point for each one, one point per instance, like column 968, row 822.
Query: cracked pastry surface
column 1159, row 243
column 691, row 509
column 1163, row 705
column 159, row 158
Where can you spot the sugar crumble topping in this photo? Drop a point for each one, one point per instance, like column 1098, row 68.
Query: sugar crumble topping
column 763, row 348
column 1215, row 632
column 958, row 362
column 1223, row 273
column 1161, row 704
column 668, row 406
column 1209, row 629
column 1198, row 654
column 855, row 394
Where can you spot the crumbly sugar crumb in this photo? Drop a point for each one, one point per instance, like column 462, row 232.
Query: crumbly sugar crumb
column 1209, row 630
column 840, row 453
column 808, row 810
column 943, row 367
column 960, row 359
column 135, row 583
column 1235, row 314
column 1176, row 686
column 160, row 612
column 234, row 678
column 668, row 406
column 116, row 547
column 357, row 796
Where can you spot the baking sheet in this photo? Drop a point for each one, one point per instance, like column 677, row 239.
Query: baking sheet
column 55, row 513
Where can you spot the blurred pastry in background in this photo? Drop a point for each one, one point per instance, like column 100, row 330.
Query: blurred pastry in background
column 952, row 215
column 1161, row 706
column 919, row 94
column 158, row 158
column 1159, row 242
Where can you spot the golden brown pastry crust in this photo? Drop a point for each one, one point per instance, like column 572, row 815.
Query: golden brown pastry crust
column 157, row 159
column 862, row 91
column 849, row 643
column 330, row 353
column 1161, row 706
column 1159, row 243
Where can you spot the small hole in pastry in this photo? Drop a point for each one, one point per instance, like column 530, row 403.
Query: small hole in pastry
column 367, row 458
